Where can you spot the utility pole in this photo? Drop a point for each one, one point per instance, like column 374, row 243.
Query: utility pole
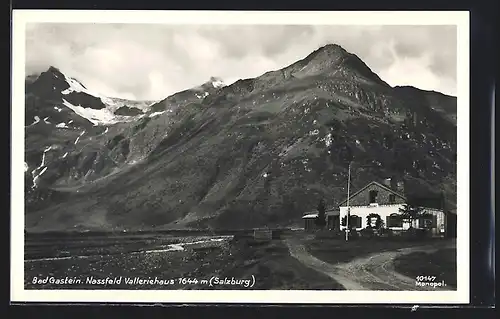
column 348, row 208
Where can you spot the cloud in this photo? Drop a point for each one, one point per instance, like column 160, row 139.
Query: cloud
column 413, row 70
column 145, row 61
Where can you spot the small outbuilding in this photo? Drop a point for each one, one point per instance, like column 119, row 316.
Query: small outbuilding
column 310, row 221
column 331, row 216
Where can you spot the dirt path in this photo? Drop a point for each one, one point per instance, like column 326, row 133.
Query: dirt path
column 373, row 272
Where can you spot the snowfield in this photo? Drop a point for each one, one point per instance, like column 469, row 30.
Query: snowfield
column 105, row 116
column 97, row 117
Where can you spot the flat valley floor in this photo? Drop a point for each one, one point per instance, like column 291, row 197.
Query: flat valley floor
column 295, row 261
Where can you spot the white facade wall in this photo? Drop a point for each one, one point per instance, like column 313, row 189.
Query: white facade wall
column 382, row 210
column 440, row 221
column 386, row 210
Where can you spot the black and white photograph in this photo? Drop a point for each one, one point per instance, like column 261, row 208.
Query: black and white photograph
column 305, row 157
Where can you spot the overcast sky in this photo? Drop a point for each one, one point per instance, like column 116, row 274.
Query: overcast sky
column 154, row 61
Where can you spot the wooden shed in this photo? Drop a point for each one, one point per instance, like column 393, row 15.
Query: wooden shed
column 310, row 222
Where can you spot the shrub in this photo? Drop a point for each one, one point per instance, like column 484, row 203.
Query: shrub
column 325, row 234
column 276, row 234
column 353, row 234
column 415, row 233
column 379, row 223
column 321, row 219
column 386, row 232
column 367, row 232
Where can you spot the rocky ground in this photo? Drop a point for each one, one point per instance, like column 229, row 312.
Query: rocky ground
column 378, row 264
column 169, row 262
column 441, row 263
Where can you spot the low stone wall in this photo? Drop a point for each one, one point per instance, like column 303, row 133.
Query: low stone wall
column 263, row 234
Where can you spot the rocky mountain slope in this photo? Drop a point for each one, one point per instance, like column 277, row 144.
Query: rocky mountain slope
column 257, row 152
column 55, row 97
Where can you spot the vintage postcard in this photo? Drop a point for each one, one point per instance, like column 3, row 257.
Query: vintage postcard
column 266, row 157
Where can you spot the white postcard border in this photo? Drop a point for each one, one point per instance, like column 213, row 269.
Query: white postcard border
column 22, row 17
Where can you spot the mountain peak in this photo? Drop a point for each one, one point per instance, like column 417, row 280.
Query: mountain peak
column 332, row 58
column 329, row 51
column 54, row 70
column 216, row 82
column 332, row 47
column 213, row 83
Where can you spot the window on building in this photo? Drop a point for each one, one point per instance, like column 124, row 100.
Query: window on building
column 356, row 221
column 394, row 220
column 392, row 198
column 428, row 221
column 373, row 196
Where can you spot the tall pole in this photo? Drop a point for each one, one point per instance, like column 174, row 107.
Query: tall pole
column 348, row 208
column 445, row 213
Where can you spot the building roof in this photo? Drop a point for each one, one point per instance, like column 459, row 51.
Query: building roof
column 328, row 212
column 378, row 184
column 333, row 212
column 310, row 216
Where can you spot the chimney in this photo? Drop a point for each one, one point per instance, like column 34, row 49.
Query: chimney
column 400, row 187
column 394, row 183
column 387, row 182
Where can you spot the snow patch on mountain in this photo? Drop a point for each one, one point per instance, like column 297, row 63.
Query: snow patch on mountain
column 35, row 173
column 156, row 114
column 62, row 125
column 104, row 116
column 75, row 86
column 315, row 132
column 78, row 138
column 97, row 117
column 43, row 156
column 37, row 119
column 115, row 103
column 36, row 177
column 202, row 96
column 217, row 83
column 328, row 140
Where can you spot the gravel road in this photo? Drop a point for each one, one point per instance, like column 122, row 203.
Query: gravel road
column 373, row 272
